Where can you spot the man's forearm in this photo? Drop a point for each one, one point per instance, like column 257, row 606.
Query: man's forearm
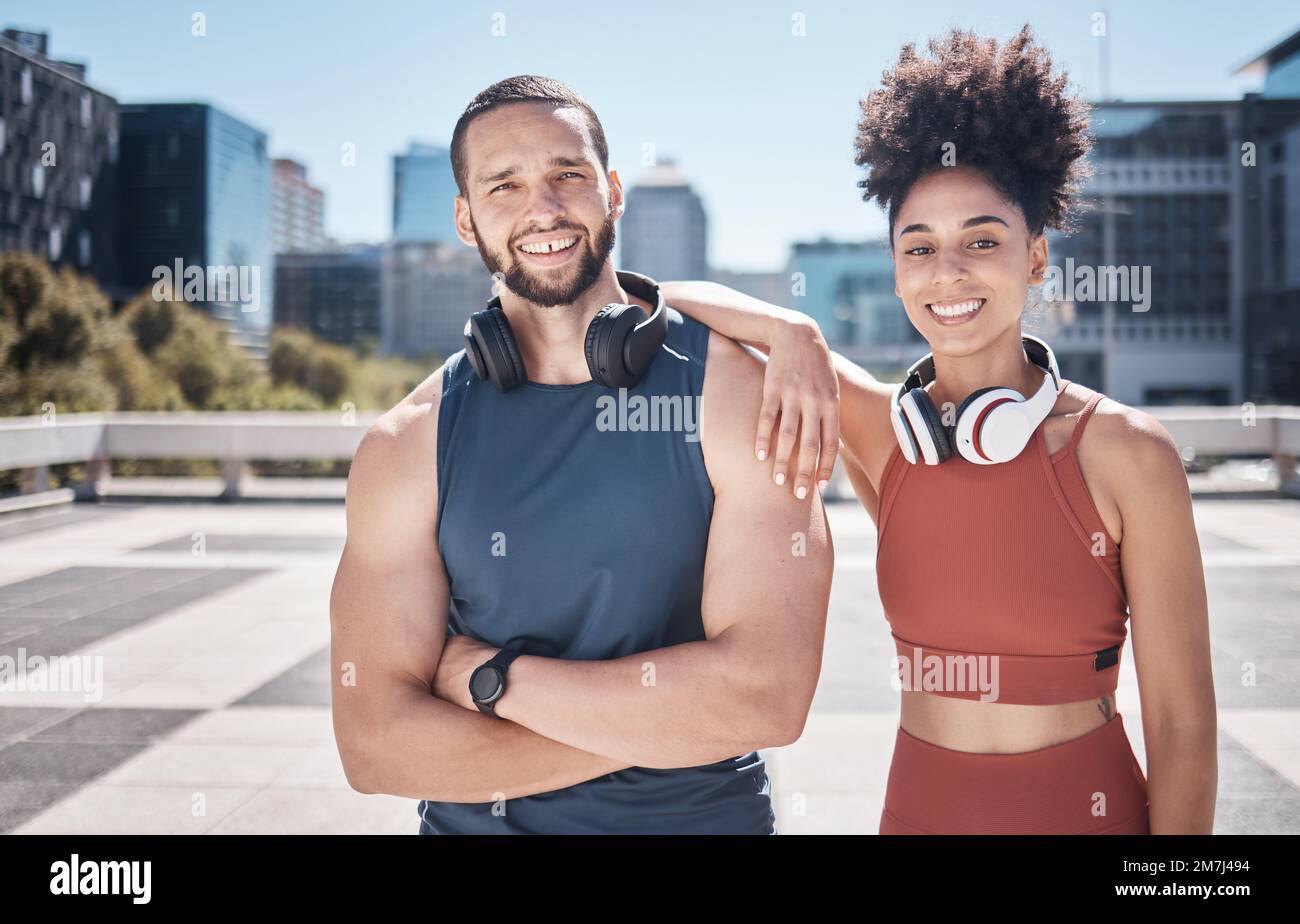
column 679, row 706
column 431, row 749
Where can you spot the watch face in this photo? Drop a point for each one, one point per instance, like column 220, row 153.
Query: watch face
column 485, row 683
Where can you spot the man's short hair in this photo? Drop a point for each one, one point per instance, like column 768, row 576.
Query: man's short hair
column 526, row 88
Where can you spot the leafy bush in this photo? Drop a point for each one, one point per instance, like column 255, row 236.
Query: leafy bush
column 62, row 344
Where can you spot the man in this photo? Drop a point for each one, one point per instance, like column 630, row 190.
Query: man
column 663, row 602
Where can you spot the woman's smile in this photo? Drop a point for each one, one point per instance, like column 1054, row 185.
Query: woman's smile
column 950, row 312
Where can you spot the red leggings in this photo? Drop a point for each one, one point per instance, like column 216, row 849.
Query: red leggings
column 1087, row 785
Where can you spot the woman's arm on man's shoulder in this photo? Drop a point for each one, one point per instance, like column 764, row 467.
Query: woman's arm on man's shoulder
column 818, row 396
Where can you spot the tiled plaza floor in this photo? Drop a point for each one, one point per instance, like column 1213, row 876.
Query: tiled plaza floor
column 211, row 715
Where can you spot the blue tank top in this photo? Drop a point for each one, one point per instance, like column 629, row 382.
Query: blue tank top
column 573, row 521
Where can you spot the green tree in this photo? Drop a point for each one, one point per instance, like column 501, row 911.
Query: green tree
column 151, row 322
column 24, row 282
column 299, row 359
column 198, row 358
column 60, row 341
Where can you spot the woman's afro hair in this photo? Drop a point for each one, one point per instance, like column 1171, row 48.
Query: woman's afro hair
column 1001, row 109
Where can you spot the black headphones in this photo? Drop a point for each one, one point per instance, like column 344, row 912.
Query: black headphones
column 621, row 341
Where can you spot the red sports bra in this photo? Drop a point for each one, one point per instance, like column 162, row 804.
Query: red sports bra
column 1000, row 582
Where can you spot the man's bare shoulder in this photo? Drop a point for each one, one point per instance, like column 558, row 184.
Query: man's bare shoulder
column 396, row 461
column 411, row 425
column 733, row 381
column 736, row 363
column 732, row 399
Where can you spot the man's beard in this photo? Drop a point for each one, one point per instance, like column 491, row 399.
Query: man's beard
column 519, row 280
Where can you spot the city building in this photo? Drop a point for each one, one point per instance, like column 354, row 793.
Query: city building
column 334, row 294
column 196, row 193
column 774, row 288
column 1201, row 198
column 297, row 209
column 1160, row 225
column 424, row 188
column 848, row 289
column 664, row 230
column 59, row 152
column 427, row 292
column 1270, row 120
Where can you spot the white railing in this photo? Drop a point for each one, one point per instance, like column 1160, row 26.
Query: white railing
column 32, row 444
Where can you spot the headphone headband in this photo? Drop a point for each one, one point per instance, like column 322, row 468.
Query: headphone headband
column 921, row 372
column 646, row 289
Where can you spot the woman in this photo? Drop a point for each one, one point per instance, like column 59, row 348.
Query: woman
column 1018, row 531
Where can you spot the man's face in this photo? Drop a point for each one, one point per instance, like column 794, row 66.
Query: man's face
column 538, row 204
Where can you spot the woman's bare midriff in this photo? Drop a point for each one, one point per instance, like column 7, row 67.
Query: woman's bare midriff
column 999, row 728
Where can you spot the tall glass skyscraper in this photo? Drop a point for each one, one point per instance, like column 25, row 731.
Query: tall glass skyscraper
column 238, row 216
column 196, row 188
column 423, row 189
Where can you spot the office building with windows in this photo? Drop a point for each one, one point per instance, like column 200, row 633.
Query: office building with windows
column 59, row 153
column 196, row 188
column 424, row 190
column 297, row 210
column 664, row 230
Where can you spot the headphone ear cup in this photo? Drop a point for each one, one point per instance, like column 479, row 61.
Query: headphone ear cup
column 472, row 351
column 926, row 426
column 934, row 420
column 516, row 374
column 961, row 408
column 972, row 421
column 604, row 345
column 590, row 345
column 907, row 441
column 490, row 341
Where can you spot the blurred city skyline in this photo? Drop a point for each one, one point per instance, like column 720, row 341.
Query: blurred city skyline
column 279, row 68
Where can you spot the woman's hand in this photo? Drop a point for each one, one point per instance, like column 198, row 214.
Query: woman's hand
column 800, row 388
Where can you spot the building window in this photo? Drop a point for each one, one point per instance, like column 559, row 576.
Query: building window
column 25, row 87
column 2, row 137
column 84, row 189
column 56, row 243
column 38, row 180
column 83, row 247
column 87, row 110
column 112, row 146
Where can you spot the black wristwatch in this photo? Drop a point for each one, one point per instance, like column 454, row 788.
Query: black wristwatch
column 488, row 682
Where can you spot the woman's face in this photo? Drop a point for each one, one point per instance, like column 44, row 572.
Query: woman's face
column 963, row 259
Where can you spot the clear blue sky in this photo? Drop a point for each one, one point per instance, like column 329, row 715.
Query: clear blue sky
column 760, row 121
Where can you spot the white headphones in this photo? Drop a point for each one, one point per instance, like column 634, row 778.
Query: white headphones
column 993, row 424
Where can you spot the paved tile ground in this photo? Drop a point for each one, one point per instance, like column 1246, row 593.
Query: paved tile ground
column 203, row 707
